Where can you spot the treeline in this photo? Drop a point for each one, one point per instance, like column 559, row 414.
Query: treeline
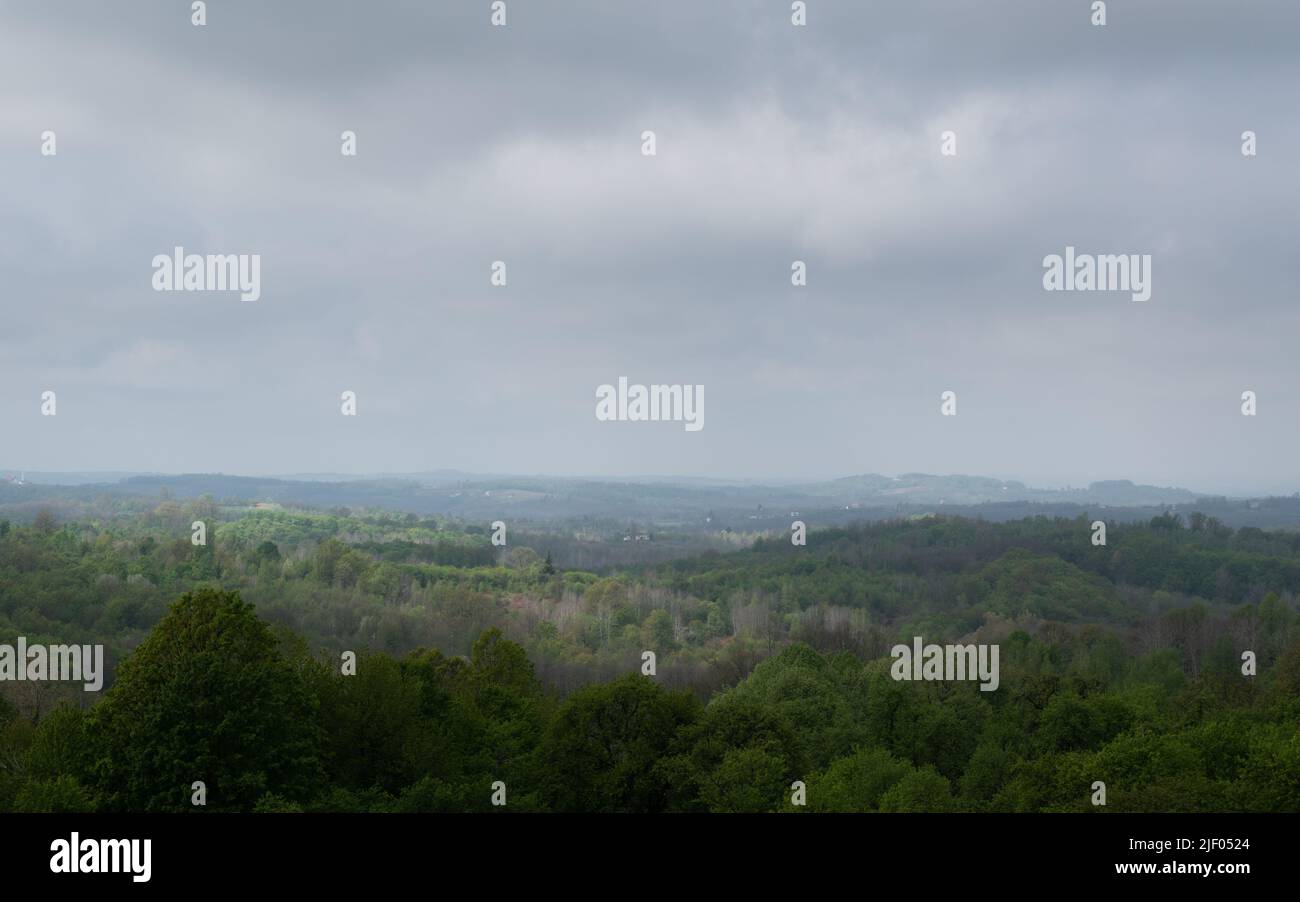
column 395, row 583
column 216, row 706
column 1200, row 557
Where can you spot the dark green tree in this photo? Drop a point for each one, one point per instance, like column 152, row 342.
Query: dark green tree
column 208, row 696
column 602, row 749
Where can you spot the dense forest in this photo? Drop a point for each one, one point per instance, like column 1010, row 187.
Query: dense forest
column 508, row 674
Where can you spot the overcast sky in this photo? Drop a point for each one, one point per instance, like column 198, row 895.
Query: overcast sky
column 775, row 143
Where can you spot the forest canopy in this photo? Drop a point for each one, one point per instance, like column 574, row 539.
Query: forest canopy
column 351, row 662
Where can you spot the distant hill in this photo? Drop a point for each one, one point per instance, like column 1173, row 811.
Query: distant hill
column 700, row 505
column 922, row 488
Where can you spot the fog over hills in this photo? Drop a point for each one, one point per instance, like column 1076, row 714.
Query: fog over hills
column 920, row 488
column 665, row 501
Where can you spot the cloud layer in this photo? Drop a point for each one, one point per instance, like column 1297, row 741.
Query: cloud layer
column 775, row 143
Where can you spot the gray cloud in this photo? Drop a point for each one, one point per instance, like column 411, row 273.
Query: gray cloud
column 775, row 143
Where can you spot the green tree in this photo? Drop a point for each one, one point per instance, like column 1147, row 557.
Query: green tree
column 369, row 722
column 207, row 696
column 737, row 757
column 59, row 745
column 60, row 795
column 602, row 749
column 918, row 790
column 856, row 782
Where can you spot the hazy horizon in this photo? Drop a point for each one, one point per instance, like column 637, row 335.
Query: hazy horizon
column 668, row 478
